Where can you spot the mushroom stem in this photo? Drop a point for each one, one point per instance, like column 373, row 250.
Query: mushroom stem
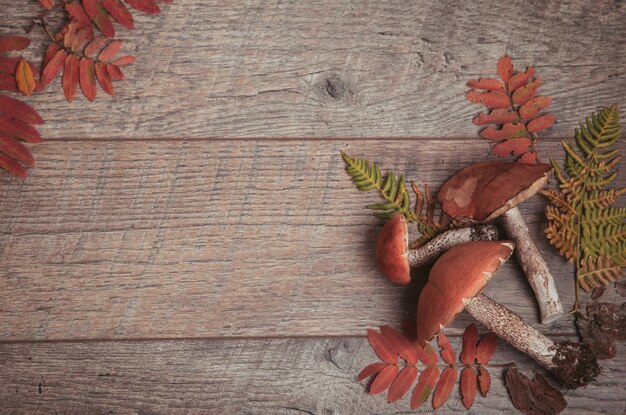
column 442, row 242
column 534, row 266
column 572, row 364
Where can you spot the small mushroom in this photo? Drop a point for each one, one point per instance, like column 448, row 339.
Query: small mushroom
column 455, row 283
column 395, row 259
column 484, row 191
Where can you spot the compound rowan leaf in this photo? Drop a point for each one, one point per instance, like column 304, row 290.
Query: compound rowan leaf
column 382, row 347
column 402, row 384
column 110, row 50
column 468, row 386
column 12, row 166
column 444, row 387
column 119, row 12
column 512, row 147
column 52, row 68
column 12, row 43
column 468, row 351
column 534, row 106
column 19, row 110
column 25, row 78
column 13, row 148
column 371, row 370
column 491, row 99
column 486, row 348
column 100, row 17
column 70, row 77
column 115, row 72
column 488, row 84
column 146, row 6
column 87, row 78
column 541, row 123
column 505, row 68
column 104, row 79
column 124, row 60
column 19, row 129
column 496, row 116
column 399, row 344
column 525, row 93
column 384, row 379
column 484, row 381
column 507, row 131
column 425, row 386
column 445, row 348
column 520, row 78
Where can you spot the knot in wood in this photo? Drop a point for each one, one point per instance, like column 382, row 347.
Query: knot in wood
column 335, row 87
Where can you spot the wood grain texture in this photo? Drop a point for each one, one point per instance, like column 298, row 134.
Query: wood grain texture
column 325, row 68
column 212, row 238
column 279, row 376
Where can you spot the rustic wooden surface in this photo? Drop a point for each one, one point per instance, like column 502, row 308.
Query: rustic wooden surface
column 171, row 224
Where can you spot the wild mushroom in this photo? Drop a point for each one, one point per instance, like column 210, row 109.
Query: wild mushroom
column 484, row 191
column 395, row 259
column 455, row 283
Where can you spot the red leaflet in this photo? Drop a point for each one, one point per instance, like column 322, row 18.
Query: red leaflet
column 50, row 52
column 399, row 344
column 110, row 50
column 528, row 158
column 507, row 131
column 11, row 43
column 87, row 78
column 146, row 6
column 371, row 370
column 100, row 17
column 425, row 386
column 491, row 99
column 512, row 147
column 468, row 386
column 47, row 4
column 484, row 381
column 488, row 84
column 444, row 387
column 382, row 347
column 532, row 108
column 525, row 93
column 8, row 65
column 95, row 45
column 115, row 72
column 470, row 337
column 124, row 60
column 70, row 33
column 8, row 83
column 24, row 78
column 15, row 128
column 104, row 79
column 497, row 116
column 384, row 379
column 19, row 110
column 541, row 123
column 521, row 78
column 486, row 348
column 119, row 13
column 402, row 384
column 429, row 357
column 505, row 68
column 52, row 69
column 12, row 166
column 15, row 149
column 82, row 37
column 70, row 77
column 77, row 13
column 446, row 350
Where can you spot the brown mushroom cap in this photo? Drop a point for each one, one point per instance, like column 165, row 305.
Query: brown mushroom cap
column 460, row 273
column 483, row 191
column 392, row 250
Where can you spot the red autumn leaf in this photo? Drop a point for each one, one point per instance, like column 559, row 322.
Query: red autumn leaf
column 534, row 106
column 11, row 43
column 484, row 381
column 525, row 93
column 83, row 36
column 512, row 147
column 429, row 355
column 468, row 386
column 119, row 12
column 384, row 379
column 505, row 68
column 470, row 337
column 13, row 148
column 25, row 78
column 488, row 84
column 535, row 396
column 371, row 370
column 52, row 68
column 424, row 387
column 399, row 344
column 146, row 6
column 50, row 52
column 47, row 4
column 507, row 131
column 124, row 60
column 528, row 158
column 486, row 348
column 110, row 50
column 77, row 13
column 87, row 78
column 497, row 116
column 19, row 110
column 70, row 77
column 445, row 348
column 7, row 83
column 12, row 166
column 104, row 79
column 444, row 387
column 70, row 33
column 402, row 384
column 520, row 78
column 100, row 17
column 95, row 45
column 115, row 72
column 382, row 347
column 15, row 128
column 541, row 123
column 491, row 99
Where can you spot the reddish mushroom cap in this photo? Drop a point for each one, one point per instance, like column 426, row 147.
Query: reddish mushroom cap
column 483, row 191
column 460, row 273
column 392, row 250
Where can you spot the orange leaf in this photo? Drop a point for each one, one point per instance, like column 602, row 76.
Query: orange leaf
column 19, row 110
column 512, row 147
column 371, row 370
column 532, row 107
column 488, row 84
column 95, row 45
column 470, row 337
column 468, row 386
column 505, row 68
column 507, row 131
column 445, row 348
column 425, row 386
column 491, row 99
column 16, row 150
column 146, row 6
column 70, row 77
column 100, row 17
column 24, row 78
column 52, row 69
column 119, row 13
column 124, row 60
column 384, row 379
column 541, row 123
column 87, row 78
column 12, row 166
column 115, row 72
column 497, row 116
column 78, row 14
column 399, row 344
column 520, row 78
column 110, row 50
column 47, row 4
column 402, row 384
column 528, row 158
column 382, row 347
column 525, row 93
column 7, row 83
column 15, row 128
column 486, row 348
column 484, row 381
column 11, row 43
column 104, row 78
column 444, row 387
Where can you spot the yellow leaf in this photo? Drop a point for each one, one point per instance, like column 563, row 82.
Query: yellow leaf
column 24, row 78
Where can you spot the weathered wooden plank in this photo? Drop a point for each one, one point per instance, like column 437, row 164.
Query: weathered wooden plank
column 336, row 69
column 281, row 376
column 213, row 238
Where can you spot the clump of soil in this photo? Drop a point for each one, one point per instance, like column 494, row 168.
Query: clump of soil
column 603, row 324
column 575, row 365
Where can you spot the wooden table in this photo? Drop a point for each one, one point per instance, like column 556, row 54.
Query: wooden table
column 194, row 246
